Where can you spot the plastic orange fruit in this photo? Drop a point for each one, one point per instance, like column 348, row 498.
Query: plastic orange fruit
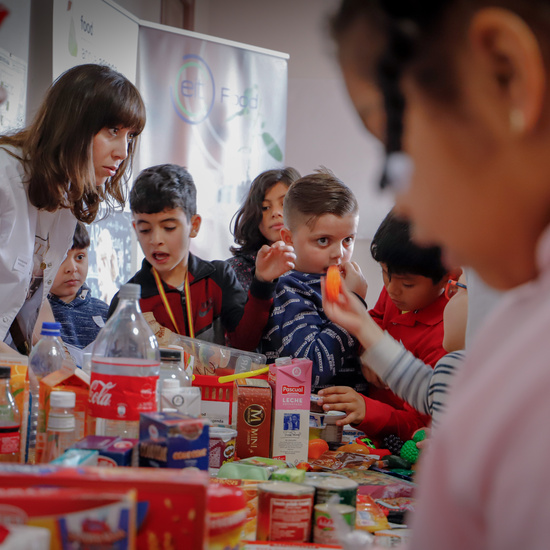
column 316, row 447
column 333, row 283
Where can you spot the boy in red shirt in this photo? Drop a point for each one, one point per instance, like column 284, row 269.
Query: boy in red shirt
column 410, row 308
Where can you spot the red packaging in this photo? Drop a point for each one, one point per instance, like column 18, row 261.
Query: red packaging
column 75, row 518
column 171, row 503
column 253, row 418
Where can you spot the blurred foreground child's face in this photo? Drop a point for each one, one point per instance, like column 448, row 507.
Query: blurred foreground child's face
column 71, row 275
column 330, row 241
column 164, row 238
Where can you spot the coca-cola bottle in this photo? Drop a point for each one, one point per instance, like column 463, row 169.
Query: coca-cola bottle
column 125, row 370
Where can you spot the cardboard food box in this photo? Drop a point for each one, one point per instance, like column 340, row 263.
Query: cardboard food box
column 171, row 503
column 253, row 417
column 67, row 378
column 75, row 518
column 291, row 385
column 113, row 451
column 173, row 440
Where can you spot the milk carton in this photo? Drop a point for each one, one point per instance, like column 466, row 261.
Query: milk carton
column 290, row 381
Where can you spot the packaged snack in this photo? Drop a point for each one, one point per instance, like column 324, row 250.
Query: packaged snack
column 222, row 446
column 336, row 460
column 171, row 503
column 253, row 418
column 396, row 508
column 392, row 538
column 173, row 440
column 378, row 484
column 112, row 451
column 76, row 518
column 369, row 515
column 76, row 457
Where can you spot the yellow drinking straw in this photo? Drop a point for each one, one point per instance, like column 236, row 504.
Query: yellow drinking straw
column 231, row 377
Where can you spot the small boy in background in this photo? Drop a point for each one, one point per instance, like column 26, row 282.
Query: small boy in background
column 80, row 314
column 410, row 306
column 320, row 221
column 410, row 309
column 182, row 293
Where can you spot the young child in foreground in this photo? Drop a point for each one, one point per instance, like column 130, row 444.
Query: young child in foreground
column 183, row 293
column 80, row 314
column 320, row 216
column 410, row 310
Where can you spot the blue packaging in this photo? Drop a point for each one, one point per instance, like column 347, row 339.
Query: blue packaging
column 173, row 440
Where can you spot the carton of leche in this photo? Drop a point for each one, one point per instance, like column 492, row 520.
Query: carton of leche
column 291, row 387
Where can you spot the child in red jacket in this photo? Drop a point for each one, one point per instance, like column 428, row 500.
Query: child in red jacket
column 410, row 309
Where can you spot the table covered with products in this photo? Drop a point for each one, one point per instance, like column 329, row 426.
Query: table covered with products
column 257, row 465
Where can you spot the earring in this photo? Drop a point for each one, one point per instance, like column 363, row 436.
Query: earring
column 517, row 121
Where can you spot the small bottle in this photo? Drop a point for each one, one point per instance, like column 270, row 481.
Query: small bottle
column 61, row 431
column 125, row 370
column 176, row 391
column 46, row 357
column 10, row 420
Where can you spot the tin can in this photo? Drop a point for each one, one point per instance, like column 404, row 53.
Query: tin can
column 323, row 522
column 222, row 446
column 284, row 511
column 327, row 485
column 332, row 433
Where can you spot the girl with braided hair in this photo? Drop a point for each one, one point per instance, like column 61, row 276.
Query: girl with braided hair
column 459, row 91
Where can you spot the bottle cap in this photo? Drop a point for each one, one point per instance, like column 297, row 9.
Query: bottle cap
column 170, row 384
column 5, row 373
column 129, row 291
column 50, row 329
column 170, row 354
column 65, row 399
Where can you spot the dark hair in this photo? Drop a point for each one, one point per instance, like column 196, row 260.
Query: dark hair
column 81, row 238
column 392, row 245
column 56, row 149
column 317, row 194
column 247, row 219
column 164, row 186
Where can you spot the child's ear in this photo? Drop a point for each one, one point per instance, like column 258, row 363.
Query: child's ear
column 286, row 235
column 196, row 221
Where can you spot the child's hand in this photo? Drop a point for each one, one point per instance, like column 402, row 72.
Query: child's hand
column 355, row 280
column 274, row 261
column 372, row 378
column 343, row 398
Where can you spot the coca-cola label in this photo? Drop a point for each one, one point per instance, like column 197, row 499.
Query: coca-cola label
column 9, row 441
column 118, row 397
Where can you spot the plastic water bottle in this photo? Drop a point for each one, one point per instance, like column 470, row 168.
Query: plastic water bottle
column 46, row 357
column 61, row 431
column 125, row 370
column 10, row 420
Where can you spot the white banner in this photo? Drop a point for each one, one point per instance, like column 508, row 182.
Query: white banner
column 94, row 31
column 217, row 108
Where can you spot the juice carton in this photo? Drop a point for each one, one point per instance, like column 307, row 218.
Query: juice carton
column 173, row 440
column 253, row 417
column 171, row 503
column 291, row 385
column 19, row 386
column 67, row 378
column 75, row 518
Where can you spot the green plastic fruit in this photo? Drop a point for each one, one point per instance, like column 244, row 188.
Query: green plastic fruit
column 410, row 451
column 420, row 435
